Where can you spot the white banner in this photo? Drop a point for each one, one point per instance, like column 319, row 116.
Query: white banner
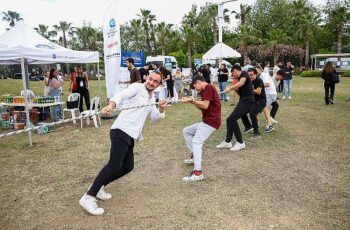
column 112, row 50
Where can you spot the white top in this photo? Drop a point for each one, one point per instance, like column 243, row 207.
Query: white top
column 131, row 121
column 266, row 70
column 275, row 70
column 271, row 89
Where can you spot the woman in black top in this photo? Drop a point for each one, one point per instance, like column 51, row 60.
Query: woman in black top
column 329, row 85
column 169, row 83
column 83, row 89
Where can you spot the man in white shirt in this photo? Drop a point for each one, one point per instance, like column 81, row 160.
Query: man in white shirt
column 125, row 129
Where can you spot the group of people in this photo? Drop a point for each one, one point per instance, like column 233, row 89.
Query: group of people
column 255, row 93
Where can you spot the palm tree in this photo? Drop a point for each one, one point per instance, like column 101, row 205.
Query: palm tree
column 247, row 36
column 135, row 33
column 44, row 31
column 244, row 12
column 163, row 34
column 64, row 27
column 11, row 17
column 277, row 37
column 147, row 23
column 340, row 16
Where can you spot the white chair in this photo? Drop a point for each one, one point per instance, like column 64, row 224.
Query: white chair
column 73, row 97
column 30, row 94
column 92, row 112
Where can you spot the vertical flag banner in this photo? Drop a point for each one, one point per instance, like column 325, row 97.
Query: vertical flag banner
column 112, row 49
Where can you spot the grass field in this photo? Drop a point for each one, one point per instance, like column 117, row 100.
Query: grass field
column 296, row 177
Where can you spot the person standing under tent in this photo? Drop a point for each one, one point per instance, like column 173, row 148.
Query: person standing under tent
column 55, row 91
column 195, row 135
column 83, row 88
column 124, row 131
column 72, row 80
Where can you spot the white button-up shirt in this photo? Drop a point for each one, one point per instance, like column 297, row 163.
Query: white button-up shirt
column 131, row 121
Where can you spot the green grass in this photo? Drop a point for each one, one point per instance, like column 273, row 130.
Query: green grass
column 296, row 177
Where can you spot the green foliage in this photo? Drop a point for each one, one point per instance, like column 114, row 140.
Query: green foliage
column 346, row 74
column 311, row 73
column 180, row 57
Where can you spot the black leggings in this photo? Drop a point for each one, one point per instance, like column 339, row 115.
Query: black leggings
column 328, row 92
column 170, row 90
column 84, row 93
column 274, row 109
column 121, row 161
column 240, row 111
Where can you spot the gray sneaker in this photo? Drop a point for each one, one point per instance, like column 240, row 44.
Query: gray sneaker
column 269, row 129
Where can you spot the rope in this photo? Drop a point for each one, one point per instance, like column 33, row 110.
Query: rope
column 76, row 118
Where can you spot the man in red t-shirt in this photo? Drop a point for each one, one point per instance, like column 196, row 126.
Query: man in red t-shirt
column 196, row 134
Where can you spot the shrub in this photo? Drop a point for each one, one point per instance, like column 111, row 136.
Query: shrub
column 346, row 74
column 311, row 73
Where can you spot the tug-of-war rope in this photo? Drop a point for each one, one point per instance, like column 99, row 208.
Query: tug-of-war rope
column 77, row 118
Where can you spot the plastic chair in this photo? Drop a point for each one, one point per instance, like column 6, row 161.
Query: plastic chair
column 30, row 94
column 73, row 97
column 93, row 112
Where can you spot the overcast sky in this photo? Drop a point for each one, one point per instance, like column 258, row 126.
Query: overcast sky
column 50, row 12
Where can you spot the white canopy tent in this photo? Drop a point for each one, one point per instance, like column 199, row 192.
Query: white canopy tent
column 221, row 50
column 23, row 45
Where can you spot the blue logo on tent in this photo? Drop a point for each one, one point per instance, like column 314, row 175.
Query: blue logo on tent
column 54, row 56
column 112, row 23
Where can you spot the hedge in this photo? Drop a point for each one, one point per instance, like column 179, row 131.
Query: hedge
column 317, row 73
column 311, row 73
column 346, row 74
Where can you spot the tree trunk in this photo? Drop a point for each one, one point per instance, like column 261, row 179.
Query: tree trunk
column 215, row 30
column 307, row 52
column 189, row 56
column 340, row 37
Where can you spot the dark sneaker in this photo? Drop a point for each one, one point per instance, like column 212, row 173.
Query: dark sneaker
column 269, row 129
column 248, row 130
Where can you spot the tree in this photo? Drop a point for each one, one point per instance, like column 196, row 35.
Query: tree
column 338, row 17
column 135, row 34
column 11, row 17
column 164, row 32
column 44, row 31
column 244, row 12
column 147, row 20
column 64, row 27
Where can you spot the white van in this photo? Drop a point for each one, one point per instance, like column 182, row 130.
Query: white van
column 168, row 61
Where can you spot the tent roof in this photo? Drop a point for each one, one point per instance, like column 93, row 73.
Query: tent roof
column 221, row 50
column 22, row 41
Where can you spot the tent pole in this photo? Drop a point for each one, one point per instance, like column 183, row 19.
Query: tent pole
column 99, row 77
column 26, row 100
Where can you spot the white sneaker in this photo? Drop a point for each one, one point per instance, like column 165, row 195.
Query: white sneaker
column 189, row 161
column 290, row 97
column 89, row 204
column 238, row 146
column 193, row 177
column 224, row 145
column 274, row 121
column 103, row 195
column 283, row 97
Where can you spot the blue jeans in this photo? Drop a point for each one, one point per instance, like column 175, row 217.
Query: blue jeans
column 287, row 85
column 222, row 87
column 57, row 109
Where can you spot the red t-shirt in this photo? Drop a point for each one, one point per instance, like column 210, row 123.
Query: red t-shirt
column 211, row 116
column 72, row 76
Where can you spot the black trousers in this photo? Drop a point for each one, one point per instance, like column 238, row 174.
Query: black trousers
column 170, row 89
column 328, row 91
column 280, row 87
column 258, row 108
column 121, row 161
column 84, row 94
column 274, row 109
column 232, row 126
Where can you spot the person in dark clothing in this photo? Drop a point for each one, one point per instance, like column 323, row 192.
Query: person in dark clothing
column 329, row 85
column 134, row 72
column 144, row 72
column 169, row 83
column 287, row 81
column 83, row 88
column 244, row 89
column 206, row 73
column 222, row 80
